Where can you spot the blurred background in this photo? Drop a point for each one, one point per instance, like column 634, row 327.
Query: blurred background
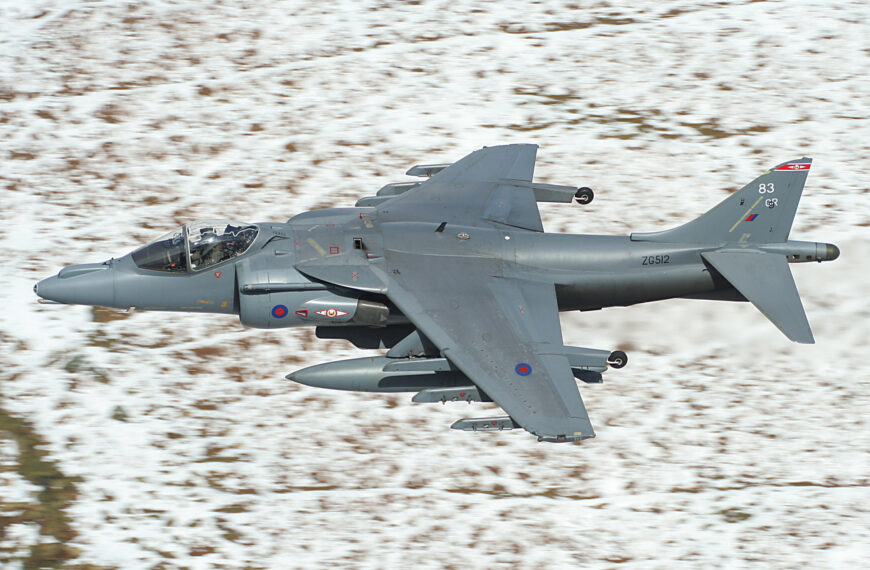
column 156, row 440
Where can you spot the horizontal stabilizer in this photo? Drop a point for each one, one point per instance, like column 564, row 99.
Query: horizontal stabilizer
column 766, row 281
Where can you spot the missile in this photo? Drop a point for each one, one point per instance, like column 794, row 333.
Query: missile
column 369, row 375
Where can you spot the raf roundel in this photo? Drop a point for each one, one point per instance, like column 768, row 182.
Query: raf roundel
column 523, row 369
column 279, row 311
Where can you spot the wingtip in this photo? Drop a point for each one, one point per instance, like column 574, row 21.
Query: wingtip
column 806, row 340
column 801, row 337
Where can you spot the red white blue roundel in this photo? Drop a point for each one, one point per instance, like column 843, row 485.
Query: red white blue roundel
column 279, row 311
column 523, row 369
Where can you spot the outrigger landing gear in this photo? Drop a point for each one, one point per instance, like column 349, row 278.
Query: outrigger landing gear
column 584, row 195
column 617, row 359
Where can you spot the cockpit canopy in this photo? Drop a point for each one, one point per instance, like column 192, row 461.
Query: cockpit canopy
column 197, row 246
column 213, row 242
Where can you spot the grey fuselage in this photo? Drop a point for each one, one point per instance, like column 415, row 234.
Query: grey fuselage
column 589, row 272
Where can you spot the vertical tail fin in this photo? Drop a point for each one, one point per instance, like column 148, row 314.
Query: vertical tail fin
column 761, row 212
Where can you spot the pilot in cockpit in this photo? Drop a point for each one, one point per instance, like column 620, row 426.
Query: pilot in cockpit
column 208, row 243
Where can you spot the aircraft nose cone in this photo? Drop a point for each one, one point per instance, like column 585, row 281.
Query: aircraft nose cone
column 90, row 284
column 832, row 252
column 44, row 288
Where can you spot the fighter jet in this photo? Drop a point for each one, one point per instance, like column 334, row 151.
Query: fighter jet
column 454, row 276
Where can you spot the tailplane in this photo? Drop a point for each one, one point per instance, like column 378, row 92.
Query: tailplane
column 765, row 280
column 761, row 212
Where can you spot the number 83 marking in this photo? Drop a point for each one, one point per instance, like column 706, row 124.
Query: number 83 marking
column 766, row 188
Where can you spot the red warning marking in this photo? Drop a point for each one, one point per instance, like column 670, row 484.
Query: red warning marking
column 462, row 394
column 302, row 312
column 218, row 274
column 355, row 275
column 803, row 166
column 495, row 423
column 333, row 249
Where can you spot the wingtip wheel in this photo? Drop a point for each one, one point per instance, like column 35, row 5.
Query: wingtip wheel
column 584, row 195
column 617, row 359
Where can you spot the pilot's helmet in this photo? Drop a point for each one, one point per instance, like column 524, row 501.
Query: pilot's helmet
column 207, row 235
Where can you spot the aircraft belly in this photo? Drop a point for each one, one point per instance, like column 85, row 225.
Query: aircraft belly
column 593, row 290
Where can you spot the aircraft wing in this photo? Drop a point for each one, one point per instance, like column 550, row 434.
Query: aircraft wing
column 501, row 332
column 491, row 187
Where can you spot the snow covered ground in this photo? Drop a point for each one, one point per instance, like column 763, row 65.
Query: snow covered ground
column 720, row 445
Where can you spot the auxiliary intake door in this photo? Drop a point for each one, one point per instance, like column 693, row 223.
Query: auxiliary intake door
column 268, row 310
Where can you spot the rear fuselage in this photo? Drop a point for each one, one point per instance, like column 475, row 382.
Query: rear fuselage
column 592, row 272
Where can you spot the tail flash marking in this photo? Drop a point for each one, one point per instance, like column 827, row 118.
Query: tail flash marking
column 746, row 216
column 794, row 167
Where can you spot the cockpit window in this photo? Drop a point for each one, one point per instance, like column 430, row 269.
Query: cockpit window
column 212, row 242
column 165, row 254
